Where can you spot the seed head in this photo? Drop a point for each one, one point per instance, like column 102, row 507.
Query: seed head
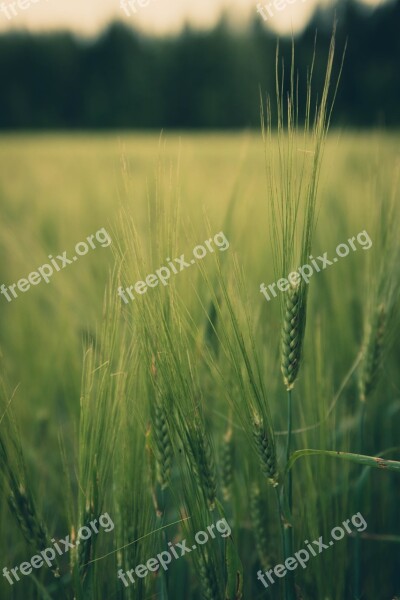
column 372, row 353
column 163, row 446
column 227, row 450
column 202, row 459
column 265, row 450
column 292, row 333
column 209, row 582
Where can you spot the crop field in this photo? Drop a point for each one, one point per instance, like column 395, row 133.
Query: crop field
column 157, row 401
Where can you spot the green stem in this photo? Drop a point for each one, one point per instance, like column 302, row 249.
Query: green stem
column 163, row 580
column 288, row 444
column 358, row 498
column 287, row 540
column 290, row 580
column 280, row 517
column 290, row 585
column 281, row 521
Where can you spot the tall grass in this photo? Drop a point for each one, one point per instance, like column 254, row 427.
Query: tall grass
column 179, row 418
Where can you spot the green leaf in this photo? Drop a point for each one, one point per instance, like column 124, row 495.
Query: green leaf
column 234, row 572
column 361, row 459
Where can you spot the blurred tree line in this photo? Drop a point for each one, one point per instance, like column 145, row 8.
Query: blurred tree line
column 197, row 79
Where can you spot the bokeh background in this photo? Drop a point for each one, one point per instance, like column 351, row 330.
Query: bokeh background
column 186, row 65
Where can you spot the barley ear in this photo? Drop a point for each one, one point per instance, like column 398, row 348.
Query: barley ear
column 372, row 353
column 208, row 578
column 265, row 448
column 202, row 459
column 152, row 469
column 211, row 336
column 23, row 509
column 33, row 530
column 163, row 446
column 227, row 450
column 292, row 335
column 19, row 497
column 85, row 552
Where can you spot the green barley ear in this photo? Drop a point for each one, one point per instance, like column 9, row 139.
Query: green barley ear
column 22, row 507
column 265, row 448
column 14, row 481
column 258, row 515
column 152, row 471
column 294, row 152
column 210, row 334
column 372, row 353
column 85, row 552
column 81, row 555
column 292, row 335
column 162, row 443
column 208, row 577
column 226, row 457
column 202, row 461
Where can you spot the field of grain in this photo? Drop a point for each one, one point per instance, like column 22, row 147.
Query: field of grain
column 169, row 412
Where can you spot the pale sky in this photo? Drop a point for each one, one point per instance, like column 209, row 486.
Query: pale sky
column 154, row 16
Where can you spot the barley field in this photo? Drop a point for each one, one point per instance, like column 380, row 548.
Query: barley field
column 166, row 415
